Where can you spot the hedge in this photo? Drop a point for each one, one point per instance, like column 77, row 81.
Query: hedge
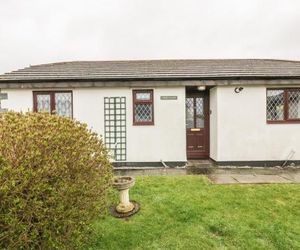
column 55, row 176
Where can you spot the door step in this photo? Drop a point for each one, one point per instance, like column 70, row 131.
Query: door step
column 200, row 167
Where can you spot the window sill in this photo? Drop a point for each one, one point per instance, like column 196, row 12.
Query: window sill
column 143, row 124
column 284, row 122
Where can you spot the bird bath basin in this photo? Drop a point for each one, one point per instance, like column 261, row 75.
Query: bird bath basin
column 125, row 207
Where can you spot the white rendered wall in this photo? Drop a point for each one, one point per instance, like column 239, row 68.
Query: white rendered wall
column 165, row 140
column 213, row 141
column 18, row 100
column 238, row 128
column 242, row 131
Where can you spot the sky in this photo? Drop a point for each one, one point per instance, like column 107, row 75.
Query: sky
column 44, row 31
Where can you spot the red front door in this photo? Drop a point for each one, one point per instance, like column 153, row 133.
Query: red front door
column 197, row 125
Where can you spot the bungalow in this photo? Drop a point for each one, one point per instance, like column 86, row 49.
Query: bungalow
column 241, row 112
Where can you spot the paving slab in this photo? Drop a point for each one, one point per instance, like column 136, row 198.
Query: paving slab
column 223, row 176
column 222, row 179
column 154, row 171
column 297, row 177
column 253, row 179
column 294, row 177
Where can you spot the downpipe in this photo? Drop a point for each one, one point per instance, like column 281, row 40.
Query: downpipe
column 164, row 164
column 289, row 157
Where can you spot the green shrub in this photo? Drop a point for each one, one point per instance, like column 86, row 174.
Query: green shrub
column 54, row 180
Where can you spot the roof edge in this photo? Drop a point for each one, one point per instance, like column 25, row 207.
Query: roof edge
column 149, row 83
column 122, row 79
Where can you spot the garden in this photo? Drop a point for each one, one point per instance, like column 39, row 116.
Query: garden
column 56, row 191
column 189, row 212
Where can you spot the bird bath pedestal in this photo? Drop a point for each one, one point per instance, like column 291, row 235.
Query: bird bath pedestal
column 126, row 207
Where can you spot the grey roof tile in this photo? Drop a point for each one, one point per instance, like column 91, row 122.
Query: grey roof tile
column 157, row 69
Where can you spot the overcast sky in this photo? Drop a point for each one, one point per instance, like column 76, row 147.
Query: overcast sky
column 42, row 31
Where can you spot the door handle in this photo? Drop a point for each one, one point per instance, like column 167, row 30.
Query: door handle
column 195, row 129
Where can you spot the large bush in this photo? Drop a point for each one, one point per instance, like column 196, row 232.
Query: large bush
column 54, row 178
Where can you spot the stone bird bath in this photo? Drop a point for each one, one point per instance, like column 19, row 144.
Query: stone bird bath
column 125, row 207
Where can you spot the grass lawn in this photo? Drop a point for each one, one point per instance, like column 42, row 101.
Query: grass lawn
column 188, row 212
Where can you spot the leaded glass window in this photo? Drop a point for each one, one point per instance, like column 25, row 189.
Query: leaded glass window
column 194, row 107
column 189, row 105
column 53, row 102
column 143, row 107
column 43, row 103
column 143, row 96
column 199, row 112
column 294, row 104
column 275, row 105
column 143, row 113
column 63, row 104
column 283, row 105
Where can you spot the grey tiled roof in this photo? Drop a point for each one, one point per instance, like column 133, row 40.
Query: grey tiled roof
column 157, row 69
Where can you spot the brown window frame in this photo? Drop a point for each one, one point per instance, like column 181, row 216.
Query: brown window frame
column 135, row 102
column 52, row 99
column 286, row 119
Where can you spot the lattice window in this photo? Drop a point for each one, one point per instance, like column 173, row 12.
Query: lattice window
column 189, row 106
column 143, row 107
column 63, row 104
column 43, row 103
column 199, row 112
column 294, row 104
column 275, row 105
column 54, row 102
column 143, row 112
column 194, row 107
column 283, row 105
column 115, row 126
